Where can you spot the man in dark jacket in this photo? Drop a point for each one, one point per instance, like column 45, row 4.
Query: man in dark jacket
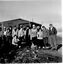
column 28, row 42
column 52, row 36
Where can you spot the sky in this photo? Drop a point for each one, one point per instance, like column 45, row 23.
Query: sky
column 40, row 11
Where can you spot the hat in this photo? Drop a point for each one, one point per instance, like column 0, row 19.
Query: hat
column 50, row 24
column 43, row 26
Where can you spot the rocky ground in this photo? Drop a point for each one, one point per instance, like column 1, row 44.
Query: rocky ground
column 34, row 56
column 27, row 55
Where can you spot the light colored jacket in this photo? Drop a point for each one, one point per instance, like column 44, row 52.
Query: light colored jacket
column 45, row 33
column 20, row 33
column 14, row 33
column 40, row 35
column 33, row 33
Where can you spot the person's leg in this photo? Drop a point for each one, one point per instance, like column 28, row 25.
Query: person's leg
column 47, row 43
column 10, row 42
column 44, row 41
column 1, row 49
column 22, row 44
column 54, row 41
column 0, row 41
column 38, row 43
column 30, row 43
column 10, row 39
column 35, row 40
column 8, row 45
column 50, row 41
column 20, row 41
column 27, row 41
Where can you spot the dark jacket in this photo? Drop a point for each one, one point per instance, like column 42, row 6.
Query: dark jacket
column 1, row 33
column 53, row 31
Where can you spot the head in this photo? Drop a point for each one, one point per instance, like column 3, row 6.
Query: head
column 33, row 26
column 4, row 28
column 43, row 27
column 10, row 28
column 15, row 28
column 38, row 27
column 7, row 29
column 50, row 25
column 21, row 26
column 29, row 24
column 27, row 27
column 18, row 27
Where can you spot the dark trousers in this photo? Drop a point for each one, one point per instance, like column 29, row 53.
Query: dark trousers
column 45, row 40
column 40, row 42
column 5, row 48
column 0, row 41
column 20, row 40
column 7, row 44
column 0, row 46
column 28, row 41
column 34, row 40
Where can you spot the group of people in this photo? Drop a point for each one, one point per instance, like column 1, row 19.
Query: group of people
column 21, row 37
column 38, row 35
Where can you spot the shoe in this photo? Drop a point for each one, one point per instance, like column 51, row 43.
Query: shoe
column 39, row 47
column 27, row 51
column 47, row 47
column 36, row 50
column 19, row 46
column 43, row 47
column 53, row 48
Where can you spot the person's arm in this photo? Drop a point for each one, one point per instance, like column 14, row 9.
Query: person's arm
column 54, row 30
column 12, row 33
column 30, row 32
column 37, row 35
column 17, row 32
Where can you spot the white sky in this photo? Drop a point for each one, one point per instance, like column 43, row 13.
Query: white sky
column 42, row 11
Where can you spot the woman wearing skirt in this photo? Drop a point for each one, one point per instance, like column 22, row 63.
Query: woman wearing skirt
column 40, row 43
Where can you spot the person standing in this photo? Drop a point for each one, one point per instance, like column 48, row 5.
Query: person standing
column 40, row 38
column 1, row 42
column 45, row 36
column 20, row 35
column 33, row 34
column 38, row 27
column 52, row 36
column 10, row 29
column 6, row 47
column 28, row 42
column 4, row 34
column 14, row 35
